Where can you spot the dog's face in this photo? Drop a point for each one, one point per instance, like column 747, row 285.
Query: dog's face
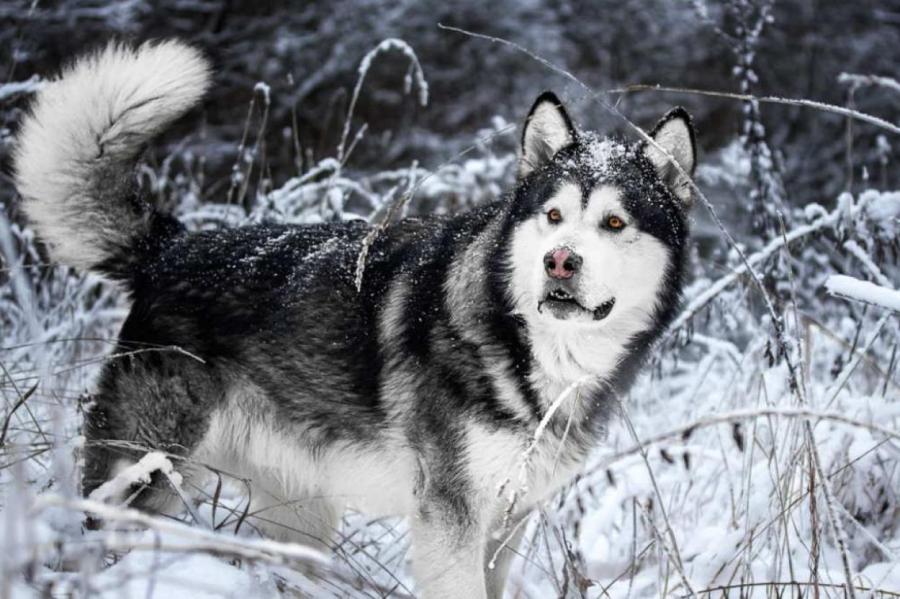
column 599, row 226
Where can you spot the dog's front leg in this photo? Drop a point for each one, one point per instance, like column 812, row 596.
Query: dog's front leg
column 447, row 556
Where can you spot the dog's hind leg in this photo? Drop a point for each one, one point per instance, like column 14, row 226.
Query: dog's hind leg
column 310, row 521
column 244, row 440
column 154, row 401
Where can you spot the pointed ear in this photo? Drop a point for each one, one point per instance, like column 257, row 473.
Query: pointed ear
column 548, row 129
column 674, row 134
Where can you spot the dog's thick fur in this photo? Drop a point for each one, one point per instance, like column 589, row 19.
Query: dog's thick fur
column 415, row 395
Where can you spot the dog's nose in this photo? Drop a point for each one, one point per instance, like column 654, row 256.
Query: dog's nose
column 561, row 263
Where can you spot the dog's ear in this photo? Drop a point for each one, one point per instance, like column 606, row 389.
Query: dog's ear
column 674, row 137
column 548, row 129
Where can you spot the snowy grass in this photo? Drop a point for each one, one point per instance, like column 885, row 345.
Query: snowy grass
column 759, row 455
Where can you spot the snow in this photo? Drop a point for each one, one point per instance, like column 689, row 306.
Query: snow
column 135, row 474
column 864, row 291
column 602, row 152
column 883, row 209
column 149, row 574
column 263, row 88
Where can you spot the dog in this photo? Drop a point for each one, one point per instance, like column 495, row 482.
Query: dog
column 462, row 380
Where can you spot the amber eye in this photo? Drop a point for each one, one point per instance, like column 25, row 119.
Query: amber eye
column 554, row 215
column 615, row 223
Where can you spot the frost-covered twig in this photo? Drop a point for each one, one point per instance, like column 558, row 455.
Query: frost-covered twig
column 395, row 208
column 847, row 112
column 175, row 480
column 195, row 538
column 139, row 473
column 856, row 81
column 364, row 65
column 29, row 86
column 146, row 350
column 860, row 254
column 23, row 397
column 522, row 49
column 240, row 180
column 525, row 462
column 525, row 458
column 492, row 562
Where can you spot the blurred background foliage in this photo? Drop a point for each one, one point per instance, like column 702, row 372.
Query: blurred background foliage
column 308, row 54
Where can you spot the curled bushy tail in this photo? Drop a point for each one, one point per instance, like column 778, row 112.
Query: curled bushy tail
column 77, row 149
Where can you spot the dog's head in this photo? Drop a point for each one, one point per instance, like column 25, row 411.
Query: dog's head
column 598, row 225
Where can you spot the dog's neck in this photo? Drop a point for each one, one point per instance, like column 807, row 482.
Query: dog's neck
column 566, row 354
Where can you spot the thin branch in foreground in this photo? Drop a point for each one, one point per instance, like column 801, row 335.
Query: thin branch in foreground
column 525, row 458
column 19, row 403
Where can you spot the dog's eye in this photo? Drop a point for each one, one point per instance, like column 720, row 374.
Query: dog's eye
column 615, row 223
column 554, row 215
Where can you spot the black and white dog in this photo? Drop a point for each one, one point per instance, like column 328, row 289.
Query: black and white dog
column 418, row 394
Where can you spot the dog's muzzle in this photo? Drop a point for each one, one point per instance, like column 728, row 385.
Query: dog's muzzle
column 562, row 304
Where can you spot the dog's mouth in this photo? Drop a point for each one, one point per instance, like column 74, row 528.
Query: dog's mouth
column 563, row 305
